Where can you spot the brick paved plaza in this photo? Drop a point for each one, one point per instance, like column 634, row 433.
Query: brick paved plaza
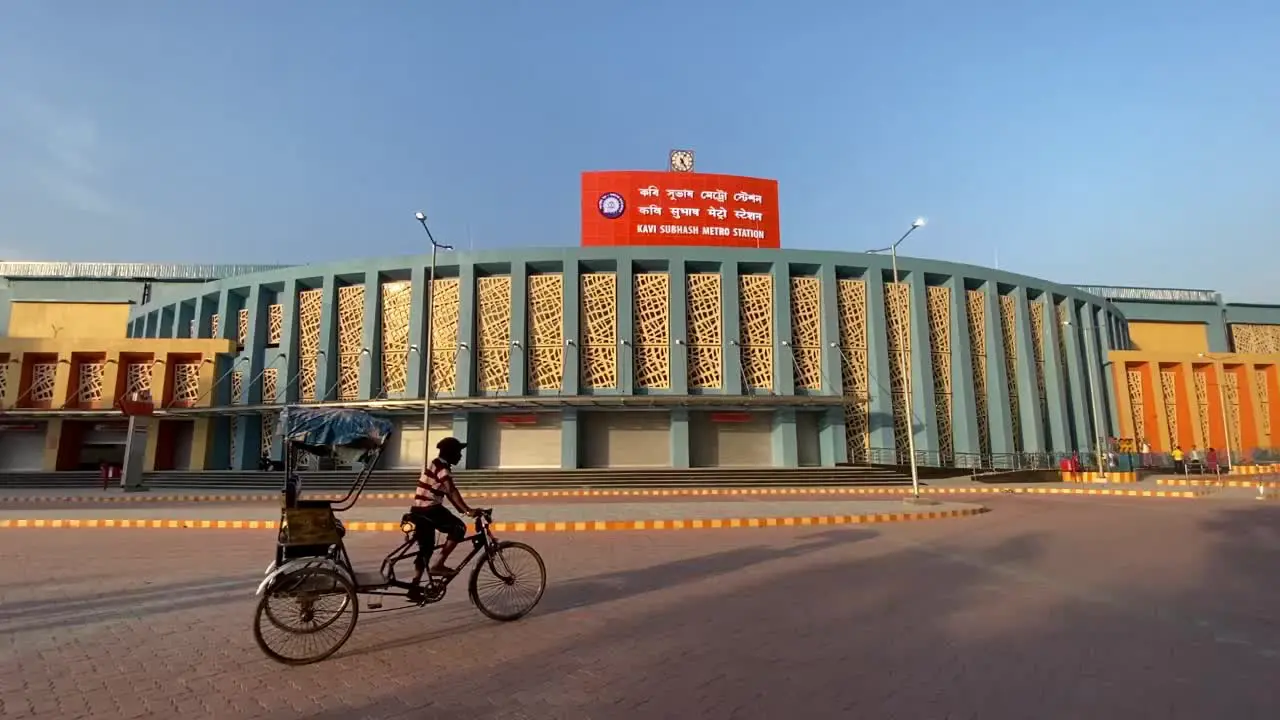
column 1047, row 607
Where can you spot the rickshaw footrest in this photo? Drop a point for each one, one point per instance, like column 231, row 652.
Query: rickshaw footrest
column 370, row 579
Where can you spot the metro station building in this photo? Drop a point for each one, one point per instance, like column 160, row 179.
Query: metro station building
column 638, row 348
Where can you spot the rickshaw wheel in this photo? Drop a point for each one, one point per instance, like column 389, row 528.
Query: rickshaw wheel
column 508, row 582
column 306, row 616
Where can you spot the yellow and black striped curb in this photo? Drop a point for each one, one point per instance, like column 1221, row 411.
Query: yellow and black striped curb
column 1195, row 482
column 519, row 527
column 518, row 494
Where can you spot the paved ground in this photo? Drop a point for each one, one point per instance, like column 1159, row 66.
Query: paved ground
column 1048, row 607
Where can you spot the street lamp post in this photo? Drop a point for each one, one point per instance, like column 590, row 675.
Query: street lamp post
column 1093, row 399
column 431, row 325
column 1222, row 402
column 902, row 362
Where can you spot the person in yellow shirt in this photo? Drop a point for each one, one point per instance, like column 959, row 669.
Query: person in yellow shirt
column 1178, row 465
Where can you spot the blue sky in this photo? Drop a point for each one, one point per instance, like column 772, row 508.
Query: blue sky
column 1113, row 142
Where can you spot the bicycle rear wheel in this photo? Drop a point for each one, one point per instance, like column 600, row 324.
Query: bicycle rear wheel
column 508, row 582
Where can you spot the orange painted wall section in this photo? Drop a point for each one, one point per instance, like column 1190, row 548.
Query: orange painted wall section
column 1273, row 401
column 1169, row 337
column 1186, row 432
column 1150, row 418
column 68, row 320
column 635, row 207
column 1248, row 422
column 1217, row 431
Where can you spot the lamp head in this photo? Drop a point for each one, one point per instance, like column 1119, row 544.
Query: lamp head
column 421, row 217
column 918, row 222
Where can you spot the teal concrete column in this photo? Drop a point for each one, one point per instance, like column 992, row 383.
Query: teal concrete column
column 466, row 381
column 832, row 440
column 999, row 417
column 785, row 452
column 1111, row 418
column 152, row 322
column 416, row 362
column 462, row 431
column 519, row 379
column 1033, row 436
column 678, row 309
column 206, row 308
column 6, row 298
column 186, row 312
column 371, row 339
column 879, row 390
column 732, row 329
column 228, row 316
column 626, row 330
column 1055, row 379
column 569, row 439
column 924, row 420
column 1077, row 373
column 784, row 361
column 219, row 457
column 327, row 362
column 572, row 284
column 832, row 358
column 166, row 321
column 679, row 437
column 285, row 357
column 964, row 404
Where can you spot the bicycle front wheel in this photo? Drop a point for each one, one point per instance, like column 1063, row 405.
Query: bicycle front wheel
column 508, row 582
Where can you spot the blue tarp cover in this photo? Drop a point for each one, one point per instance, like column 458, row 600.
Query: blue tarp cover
column 334, row 427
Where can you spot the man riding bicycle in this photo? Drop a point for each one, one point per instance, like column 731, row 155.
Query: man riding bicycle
column 430, row 514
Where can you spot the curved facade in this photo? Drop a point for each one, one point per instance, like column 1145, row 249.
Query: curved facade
column 661, row 356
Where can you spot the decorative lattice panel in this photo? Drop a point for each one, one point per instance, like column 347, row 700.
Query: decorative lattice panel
column 270, row 384
column 91, row 382
column 1201, row 383
column 897, row 314
column 237, row 387
column 233, row 430
column 1256, row 339
column 851, row 304
column 755, row 316
column 270, row 419
column 938, row 303
column 706, row 331
column 806, row 332
column 350, row 340
column 1168, row 392
column 44, row 376
column 1036, row 312
column 1136, row 402
column 446, row 311
column 192, row 330
column 546, row 332
column 599, row 350
column 138, row 380
column 652, row 330
column 215, row 325
column 976, row 314
column 186, row 383
column 1231, row 388
column 1008, row 331
column 275, row 323
column 397, row 298
column 493, row 331
column 1264, row 399
column 242, row 328
column 4, row 377
column 310, row 307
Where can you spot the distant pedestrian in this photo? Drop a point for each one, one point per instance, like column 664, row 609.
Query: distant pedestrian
column 1211, row 461
column 1179, row 466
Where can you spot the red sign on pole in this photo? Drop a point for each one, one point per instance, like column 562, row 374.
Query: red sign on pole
column 634, row 207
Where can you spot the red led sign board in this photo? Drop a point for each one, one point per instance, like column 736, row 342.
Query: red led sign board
column 637, row 207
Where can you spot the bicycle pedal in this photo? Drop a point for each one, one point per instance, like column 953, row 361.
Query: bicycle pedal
column 375, row 604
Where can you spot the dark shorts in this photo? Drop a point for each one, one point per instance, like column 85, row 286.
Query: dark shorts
column 437, row 518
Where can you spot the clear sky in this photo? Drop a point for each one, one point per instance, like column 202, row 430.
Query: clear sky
column 1091, row 141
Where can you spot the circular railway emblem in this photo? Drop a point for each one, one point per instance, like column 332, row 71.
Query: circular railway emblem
column 612, row 205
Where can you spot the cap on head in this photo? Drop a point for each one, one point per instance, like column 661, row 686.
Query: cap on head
column 450, row 444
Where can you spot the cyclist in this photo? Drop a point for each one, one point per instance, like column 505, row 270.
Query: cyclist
column 430, row 514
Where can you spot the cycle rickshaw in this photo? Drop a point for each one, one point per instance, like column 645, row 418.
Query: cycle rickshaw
column 310, row 599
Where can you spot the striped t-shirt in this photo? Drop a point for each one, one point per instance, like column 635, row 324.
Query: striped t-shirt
column 434, row 484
